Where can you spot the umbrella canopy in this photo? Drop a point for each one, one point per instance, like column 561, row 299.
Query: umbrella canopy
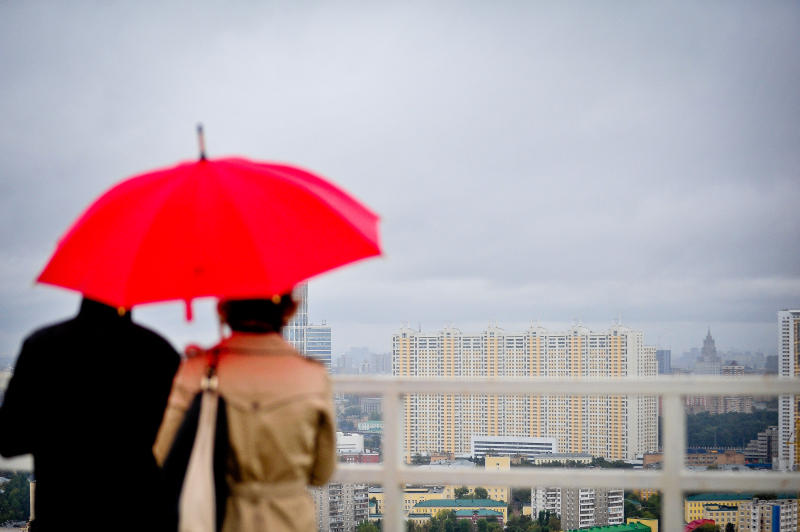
column 228, row 228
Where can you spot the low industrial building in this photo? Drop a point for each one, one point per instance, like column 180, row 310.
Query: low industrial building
column 524, row 446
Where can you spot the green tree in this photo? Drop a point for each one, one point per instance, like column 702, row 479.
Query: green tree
column 483, row 525
column 461, row 493
column 481, row 493
column 727, row 430
column 730, row 527
column 366, row 526
column 707, row 527
column 375, row 416
column 521, row 495
column 418, row 459
column 517, row 523
column 463, row 525
column 15, row 498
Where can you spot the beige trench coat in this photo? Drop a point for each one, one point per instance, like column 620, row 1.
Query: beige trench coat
column 281, row 426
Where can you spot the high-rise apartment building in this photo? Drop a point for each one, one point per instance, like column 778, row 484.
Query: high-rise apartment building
column 789, row 405
column 580, row 507
column 664, row 361
column 615, row 427
column 340, row 507
column 764, row 447
column 310, row 339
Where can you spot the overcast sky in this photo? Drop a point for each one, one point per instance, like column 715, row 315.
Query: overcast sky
column 559, row 162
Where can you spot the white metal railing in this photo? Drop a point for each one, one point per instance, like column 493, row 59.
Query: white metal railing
column 672, row 480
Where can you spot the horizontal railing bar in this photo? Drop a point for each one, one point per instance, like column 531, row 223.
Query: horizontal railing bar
column 664, row 385
column 575, row 478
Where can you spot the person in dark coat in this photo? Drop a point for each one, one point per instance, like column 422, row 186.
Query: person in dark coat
column 86, row 399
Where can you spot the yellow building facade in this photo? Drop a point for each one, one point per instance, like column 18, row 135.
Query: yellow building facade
column 435, row 507
column 411, row 496
column 741, row 509
column 615, row 427
column 496, row 493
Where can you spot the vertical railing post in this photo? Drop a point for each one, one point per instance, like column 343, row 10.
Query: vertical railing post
column 674, row 438
column 392, row 455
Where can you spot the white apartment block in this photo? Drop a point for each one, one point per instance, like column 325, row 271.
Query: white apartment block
column 340, row 507
column 788, row 405
column 769, row 516
column 580, row 507
column 614, row 427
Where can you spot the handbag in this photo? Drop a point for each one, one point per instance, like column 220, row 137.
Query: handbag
column 195, row 467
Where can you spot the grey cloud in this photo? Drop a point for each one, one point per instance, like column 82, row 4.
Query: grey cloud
column 528, row 161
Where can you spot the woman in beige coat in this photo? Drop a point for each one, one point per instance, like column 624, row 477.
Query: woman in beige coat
column 280, row 418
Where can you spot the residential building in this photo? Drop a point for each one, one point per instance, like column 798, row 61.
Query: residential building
column 340, row 507
column 411, row 496
column 763, row 449
column 561, row 458
column 318, row 343
column 722, row 514
column 664, row 361
column 496, row 493
column 749, row 514
column 614, row 427
column 416, row 494
column 580, row 507
column 770, row 515
column 525, row 446
column 432, row 507
column 789, row 405
column 633, row 525
column 313, row 340
column 700, row 458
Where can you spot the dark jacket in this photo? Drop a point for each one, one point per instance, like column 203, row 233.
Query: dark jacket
column 86, row 399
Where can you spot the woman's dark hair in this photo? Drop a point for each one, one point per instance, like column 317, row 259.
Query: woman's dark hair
column 257, row 315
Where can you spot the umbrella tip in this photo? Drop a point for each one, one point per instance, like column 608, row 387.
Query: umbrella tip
column 201, row 140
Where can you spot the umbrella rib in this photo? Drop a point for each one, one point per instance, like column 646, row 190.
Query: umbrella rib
column 232, row 199
column 175, row 189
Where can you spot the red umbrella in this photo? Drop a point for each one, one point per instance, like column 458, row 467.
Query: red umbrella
column 229, row 228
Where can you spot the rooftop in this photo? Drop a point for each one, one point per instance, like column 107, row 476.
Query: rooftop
column 630, row 527
column 481, row 513
column 733, row 496
column 468, row 503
